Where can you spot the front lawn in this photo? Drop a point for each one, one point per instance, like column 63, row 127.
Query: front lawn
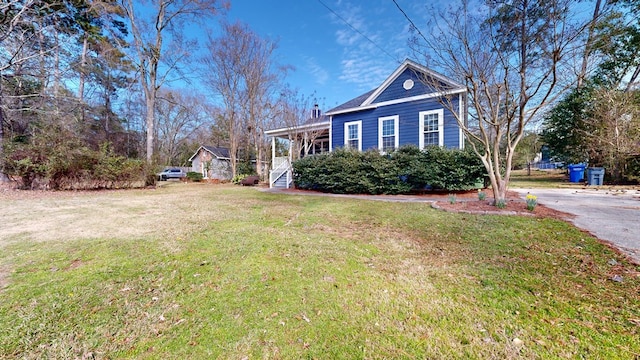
column 220, row 271
column 541, row 179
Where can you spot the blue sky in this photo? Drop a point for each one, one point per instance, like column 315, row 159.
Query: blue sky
column 330, row 58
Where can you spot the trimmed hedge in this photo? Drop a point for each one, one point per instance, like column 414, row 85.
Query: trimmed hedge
column 406, row 170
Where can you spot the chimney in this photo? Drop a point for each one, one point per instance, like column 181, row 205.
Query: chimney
column 315, row 113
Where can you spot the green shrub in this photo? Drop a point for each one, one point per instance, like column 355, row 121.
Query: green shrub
column 194, row 176
column 408, row 169
column 349, row 172
column 238, row 178
column 246, row 167
column 55, row 162
column 439, row 168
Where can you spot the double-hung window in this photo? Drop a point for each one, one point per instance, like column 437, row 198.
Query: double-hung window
column 431, row 128
column 388, row 138
column 353, row 135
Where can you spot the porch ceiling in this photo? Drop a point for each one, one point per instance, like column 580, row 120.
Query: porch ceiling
column 296, row 130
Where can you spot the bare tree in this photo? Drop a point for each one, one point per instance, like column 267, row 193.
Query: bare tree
column 180, row 116
column 22, row 23
column 222, row 74
column 19, row 29
column 260, row 79
column 240, row 69
column 160, row 47
column 99, row 33
column 511, row 55
column 300, row 115
column 601, row 9
column 613, row 130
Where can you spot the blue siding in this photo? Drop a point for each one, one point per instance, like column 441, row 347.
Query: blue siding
column 409, row 123
column 395, row 90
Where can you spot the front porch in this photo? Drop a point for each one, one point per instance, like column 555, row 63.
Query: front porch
column 305, row 140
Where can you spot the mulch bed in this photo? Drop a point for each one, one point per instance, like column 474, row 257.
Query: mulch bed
column 515, row 206
column 467, row 202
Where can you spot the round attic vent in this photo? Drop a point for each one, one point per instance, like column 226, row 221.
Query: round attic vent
column 408, row 84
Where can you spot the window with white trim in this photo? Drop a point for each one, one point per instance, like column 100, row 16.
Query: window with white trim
column 353, row 135
column 388, row 138
column 431, row 128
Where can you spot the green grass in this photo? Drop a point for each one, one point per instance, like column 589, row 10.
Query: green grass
column 541, row 179
column 555, row 179
column 275, row 276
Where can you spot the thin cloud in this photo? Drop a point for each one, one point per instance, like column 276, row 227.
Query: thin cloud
column 320, row 74
column 363, row 64
column 365, row 74
column 350, row 14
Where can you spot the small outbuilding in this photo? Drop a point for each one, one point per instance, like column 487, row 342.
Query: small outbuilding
column 212, row 163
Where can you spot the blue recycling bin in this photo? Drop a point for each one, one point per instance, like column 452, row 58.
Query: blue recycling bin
column 595, row 176
column 576, row 172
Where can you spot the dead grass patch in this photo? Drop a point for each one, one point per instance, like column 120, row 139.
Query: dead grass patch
column 60, row 216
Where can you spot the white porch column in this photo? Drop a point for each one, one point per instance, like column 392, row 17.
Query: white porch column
column 273, row 150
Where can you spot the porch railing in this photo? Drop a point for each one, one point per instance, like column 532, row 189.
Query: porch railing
column 278, row 161
column 281, row 167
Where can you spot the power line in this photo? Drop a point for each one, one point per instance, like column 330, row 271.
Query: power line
column 356, row 30
column 410, row 21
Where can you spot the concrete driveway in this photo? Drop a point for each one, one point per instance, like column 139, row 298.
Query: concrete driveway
column 613, row 216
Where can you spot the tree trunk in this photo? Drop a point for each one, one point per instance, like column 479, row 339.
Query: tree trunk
column 587, row 48
column 150, row 119
column 43, row 67
column 107, row 116
column 233, row 154
column 56, row 71
column 633, row 79
column 3, row 176
column 233, row 141
column 259, row 166
column 500, row 192
column 83, row 64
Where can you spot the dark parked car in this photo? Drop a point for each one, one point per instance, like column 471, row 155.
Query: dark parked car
column 171, row 173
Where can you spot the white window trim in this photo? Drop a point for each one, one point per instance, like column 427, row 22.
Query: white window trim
column 396, row 132
column 346, row 133
column 421, row 116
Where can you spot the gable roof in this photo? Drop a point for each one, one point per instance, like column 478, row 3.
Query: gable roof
column 218, row 152
column 367, row 100
column 353, row 103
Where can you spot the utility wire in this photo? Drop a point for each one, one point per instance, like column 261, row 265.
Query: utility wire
column 356, row 30
column 410, row 21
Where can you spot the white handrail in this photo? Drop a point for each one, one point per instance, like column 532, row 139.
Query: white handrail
column 282, row 168
column 278, row 161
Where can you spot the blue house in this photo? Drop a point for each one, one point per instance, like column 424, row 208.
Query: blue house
column 414, row 105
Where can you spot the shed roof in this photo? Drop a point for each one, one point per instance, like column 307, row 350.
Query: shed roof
column 218, row 152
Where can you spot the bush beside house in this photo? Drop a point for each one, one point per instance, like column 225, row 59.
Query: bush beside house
column 194, row 176
column 403, row 171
